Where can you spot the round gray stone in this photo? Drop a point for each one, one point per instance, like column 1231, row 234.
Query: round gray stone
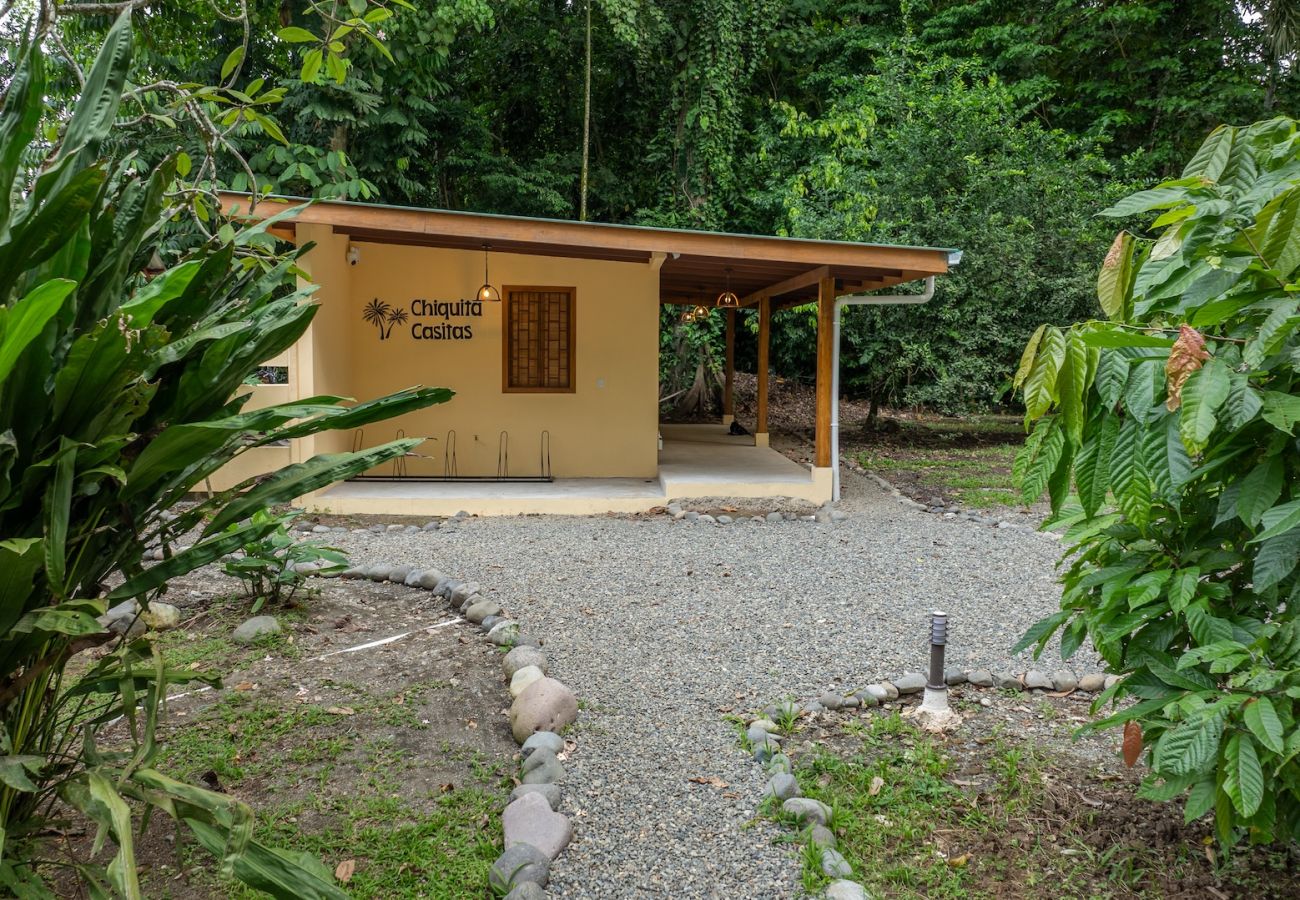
column 807, row 811
column 519, row 864
column 526, row 890
column 551, row 792
column 254, row 628
column 520, row 657
column 1064, row 680
column 834, row 865
column 1036, row 680
column 545, row 705
column 542, row 740
column 530, row 820
column 782, row 786
column 843, row 889
column 1092, row 682
column 429, row 579
column 980, row 677
column 820, row 836
column 911, row 683
column 378, row 572
column 480, row 610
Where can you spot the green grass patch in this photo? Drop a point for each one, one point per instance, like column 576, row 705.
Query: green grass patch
column 993, row 817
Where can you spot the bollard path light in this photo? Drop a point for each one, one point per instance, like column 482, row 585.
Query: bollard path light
column 936, row 689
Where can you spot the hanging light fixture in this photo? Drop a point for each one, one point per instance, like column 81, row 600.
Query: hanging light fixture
column 688, row 317
column 701, row 312
column 487, row 293
column 727, row 299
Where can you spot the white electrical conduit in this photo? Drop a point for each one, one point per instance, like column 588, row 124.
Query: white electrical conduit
column 862, row 300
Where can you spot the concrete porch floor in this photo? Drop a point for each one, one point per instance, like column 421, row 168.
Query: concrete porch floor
column 696, row 461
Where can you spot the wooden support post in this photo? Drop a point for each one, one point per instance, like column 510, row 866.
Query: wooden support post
column 764, row 336
column 729, row 386
column 825, row 337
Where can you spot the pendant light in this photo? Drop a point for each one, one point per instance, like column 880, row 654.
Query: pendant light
column 701, row 312
column 487, row 293
column 688, row 317
column 727, row 299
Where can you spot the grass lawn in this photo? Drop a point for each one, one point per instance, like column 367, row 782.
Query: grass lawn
column 990, row 815
column 966, row 461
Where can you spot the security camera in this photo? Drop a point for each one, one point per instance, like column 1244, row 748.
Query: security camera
column 354, row 254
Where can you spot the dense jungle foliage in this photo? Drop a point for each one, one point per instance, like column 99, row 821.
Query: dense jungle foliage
column 996, row 126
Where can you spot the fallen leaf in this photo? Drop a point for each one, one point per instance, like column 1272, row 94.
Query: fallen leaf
column 470, row 723
column 340, row 711
column 244, row 686
column 713, row 780
column 343, row 871
column 876, row 784
column 959, row 862
column 447, row 788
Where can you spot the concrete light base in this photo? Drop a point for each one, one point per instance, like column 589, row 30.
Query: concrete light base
column 760, row 439
column 727, row 420
column 934, row 714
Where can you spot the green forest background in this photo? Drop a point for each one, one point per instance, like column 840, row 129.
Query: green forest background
column 996, row 126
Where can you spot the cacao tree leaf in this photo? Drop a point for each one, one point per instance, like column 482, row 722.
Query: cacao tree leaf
column 1129, row 480
column 1275, row 560
column 1027, row 357
column 1203, row 394
column 1092, row 466
column 1145, row 201
column 1200, row 800
column 1038, row 459
column 1212, row 157
column 1280, row 410
column 1191, row 746
column 1278, row 520
column 1040, row 383
column 1114, row 279
column 1260, row 490
column 1244, row 779
column 1182, row 587
column 1262, row 720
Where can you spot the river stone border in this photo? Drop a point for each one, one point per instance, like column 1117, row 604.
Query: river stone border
column 535, row 832
column 812, row 817
column 946, row 511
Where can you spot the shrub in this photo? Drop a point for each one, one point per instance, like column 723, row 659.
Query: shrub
column 115, row 402
column 1174, row 420
column 274, row 567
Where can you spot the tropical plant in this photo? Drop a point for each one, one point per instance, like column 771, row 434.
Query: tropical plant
column 1174, row 419
column 119, row 393
column 275, row 566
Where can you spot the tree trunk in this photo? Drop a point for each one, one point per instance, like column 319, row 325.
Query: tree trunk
column 586, row 124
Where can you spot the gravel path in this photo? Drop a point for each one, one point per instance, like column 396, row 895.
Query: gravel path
column 661, row 626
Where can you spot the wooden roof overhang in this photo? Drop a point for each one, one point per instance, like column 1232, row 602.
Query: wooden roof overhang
column 693, row 265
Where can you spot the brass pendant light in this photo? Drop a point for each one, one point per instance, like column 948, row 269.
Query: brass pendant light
column 701, row 312
column 487, row 293
column 727, row 299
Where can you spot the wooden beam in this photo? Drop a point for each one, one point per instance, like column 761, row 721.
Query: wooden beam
column 764, row 338
column 389, row 222
column 825, row 338
column 802, row 280
column 729, row 385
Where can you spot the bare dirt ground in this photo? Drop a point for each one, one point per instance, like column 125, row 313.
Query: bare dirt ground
column 390, row 764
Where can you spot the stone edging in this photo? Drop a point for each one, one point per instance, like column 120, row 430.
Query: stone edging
column 534, row 831
column 813, row 816
column 947, row 512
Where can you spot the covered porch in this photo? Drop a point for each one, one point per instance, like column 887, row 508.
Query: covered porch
column 695, row 461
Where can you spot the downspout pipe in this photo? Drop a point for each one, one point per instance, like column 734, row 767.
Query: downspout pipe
column 861, row 300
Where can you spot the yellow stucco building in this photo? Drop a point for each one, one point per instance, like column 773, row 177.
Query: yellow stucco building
column 555, row 367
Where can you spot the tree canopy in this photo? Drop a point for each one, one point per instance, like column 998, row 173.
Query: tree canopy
column 997, row 126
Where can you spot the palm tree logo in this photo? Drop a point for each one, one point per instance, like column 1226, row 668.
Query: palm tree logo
column 395, row 317
column 376, row 313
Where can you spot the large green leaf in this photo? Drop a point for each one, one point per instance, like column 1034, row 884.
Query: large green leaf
column 1243, row 780
column 1262, row 720
column 22, row 322
column 294, row 481
column 1092, row 465
column 1275, row 560
column 1040, row 383
column 1260, row 490
column 1203, row 394
column 23, row 104
column 1191, row 747
column 1114, row 281
column 1278, row 520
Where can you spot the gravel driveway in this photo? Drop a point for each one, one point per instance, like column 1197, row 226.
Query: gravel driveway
column 660, row 626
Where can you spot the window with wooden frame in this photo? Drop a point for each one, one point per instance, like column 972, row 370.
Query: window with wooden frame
column 539, row 328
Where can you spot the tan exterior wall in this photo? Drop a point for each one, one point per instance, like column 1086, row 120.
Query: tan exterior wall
column 606, row 427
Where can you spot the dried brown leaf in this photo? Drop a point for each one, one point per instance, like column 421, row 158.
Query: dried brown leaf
column 1187, row 355
column 876, row 784
column 344, row 870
